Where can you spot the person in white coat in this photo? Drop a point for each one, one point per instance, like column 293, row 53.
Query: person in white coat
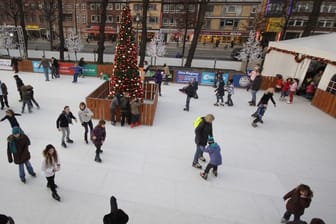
column 50, row 166
column 85, row 118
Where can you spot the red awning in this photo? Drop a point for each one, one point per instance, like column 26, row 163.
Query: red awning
column 95, row 29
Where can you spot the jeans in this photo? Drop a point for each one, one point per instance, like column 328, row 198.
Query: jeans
column 125, row 116
column 198, row 153
column 260, row 113
column 29, row 169
column 113, row 110
column 86, row 126
column 254, row 95
column 29, row 104
column 65, row 133
column 75, row 77
column 187, row 102
column 229, row 100
column 219, row 97
column 46, row 73
column 159, row 86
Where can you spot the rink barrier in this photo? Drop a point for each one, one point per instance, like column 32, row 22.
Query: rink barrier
column 99, row 103
column 325, row 101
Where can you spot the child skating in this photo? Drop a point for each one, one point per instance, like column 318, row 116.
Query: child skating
column 262, row 106
column 51, row 165
column 98, row 138
column 85, row 118
column 10, row 116
column 215, row 158
column 62, row 124
column 298, row 200
column 230, row 90
column 220, row 92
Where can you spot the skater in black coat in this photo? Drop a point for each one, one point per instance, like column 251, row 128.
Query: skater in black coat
column 220, row 91
column 62, row 124
column 3, row 95
column 116, row 216
column 10, row 116
column 19, row 84
column 262, row 106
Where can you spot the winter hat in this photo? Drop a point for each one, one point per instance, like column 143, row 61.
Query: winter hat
column 211, row 139
column 16, row 130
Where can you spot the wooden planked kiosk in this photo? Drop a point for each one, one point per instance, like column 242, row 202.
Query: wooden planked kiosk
column 325, row 101
column 99, row 103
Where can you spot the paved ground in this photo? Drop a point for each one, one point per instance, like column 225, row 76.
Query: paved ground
column 149, row 168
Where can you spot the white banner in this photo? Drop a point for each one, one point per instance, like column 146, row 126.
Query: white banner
column 5, row 64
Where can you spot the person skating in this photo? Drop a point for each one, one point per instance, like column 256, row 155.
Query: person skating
column 10, row 116
column 17, row 151
column 116, row 216
column 230, row 90
column 255, row 86
column 54, row 68
column 32, row 99
column 202, row 132
column 262, row 106
column 26, row 98
column 45, row 63
column 15, row 64
column 85, row 118
column 215, row 158
column 165, row 73
column 51, row 165
column 81, row 64
column 220, row 91
column 190, row 92
column 98, row 137
column 62, row 124
column 77, row 70
column 292, row 90
column 194, row 84
column 158, row 79
column 3, row 95
column 19, row 84
column 298, row 200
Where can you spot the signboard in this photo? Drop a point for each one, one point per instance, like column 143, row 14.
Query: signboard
column 5, row 64
column 187, row 76
column 90, row 70
column 275, row 24
column 241, row 80
column 66, row 68
column 36, row 67
column 208, row 78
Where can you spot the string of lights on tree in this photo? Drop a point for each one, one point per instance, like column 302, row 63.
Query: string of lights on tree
column 126, row 77
column 299, row 58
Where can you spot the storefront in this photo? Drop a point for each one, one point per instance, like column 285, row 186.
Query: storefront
column 222, row 37
column 35, row 32
column 111, row 33
column 176, row 35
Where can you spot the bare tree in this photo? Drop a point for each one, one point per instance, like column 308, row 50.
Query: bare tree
column 19, row 4
column 11, row 9
column 197, row 30
column 60, row 29
column 313, row 18
column 49, row 13
column 145, row 4
column 101, row 41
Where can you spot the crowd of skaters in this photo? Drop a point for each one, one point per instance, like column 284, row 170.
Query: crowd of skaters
column 297, row 200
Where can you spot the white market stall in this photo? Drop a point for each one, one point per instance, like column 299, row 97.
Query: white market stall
column 292, row 58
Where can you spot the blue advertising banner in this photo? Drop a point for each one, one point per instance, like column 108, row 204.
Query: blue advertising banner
column 36, row 67
column 187, row 76
column 208, row 78
column 240, row 80
column 225, row 77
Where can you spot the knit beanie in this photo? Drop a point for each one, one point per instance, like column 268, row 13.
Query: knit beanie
column 16, row 130
column 211, row 139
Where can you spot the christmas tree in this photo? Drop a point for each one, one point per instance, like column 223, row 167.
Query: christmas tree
column 126, row 78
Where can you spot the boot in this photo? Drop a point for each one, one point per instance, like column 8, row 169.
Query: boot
column 56, row 196
column 69, row 140
column 97, row 158
column 64, row 145
column 204, row 175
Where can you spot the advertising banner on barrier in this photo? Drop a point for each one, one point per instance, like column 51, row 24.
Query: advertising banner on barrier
column 66, row 68
column 90, row 70
column 5, row 64
column 241, row 80
column 36, row 67
column 208, row 78
column 187, row 76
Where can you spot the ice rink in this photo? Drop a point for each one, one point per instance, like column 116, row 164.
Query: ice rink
column 148, row 169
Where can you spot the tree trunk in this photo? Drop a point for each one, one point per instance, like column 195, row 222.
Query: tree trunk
column 197, row 31
column 143, row 42
column 50, row 32
column 60, row 29
column 23, row 26
column 312, row 20
column 101, row 47
column 186, row 26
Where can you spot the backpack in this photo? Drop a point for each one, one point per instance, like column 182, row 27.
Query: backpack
column 197, row 121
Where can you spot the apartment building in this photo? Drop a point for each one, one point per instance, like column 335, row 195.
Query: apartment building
column 229, row 22
column 288, row 19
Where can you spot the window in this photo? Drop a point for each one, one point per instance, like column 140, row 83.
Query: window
column 137, row 7
column 191, row 7
column 122, row 5
column 296, row 22
column 222, row 23
column 326, row 23
column 332, row 85
column 209, row 8
column 228, row 22
column 83, row 6
column 329, row 7
column 304, row 7
column 152, row 19
column 78, row 19
column 92, row 6
column 166, row 8
column 231, row 9
column 109, row 6
column 179, row 7
column 33, row 18
column 41, row 17
column 165, row 21
column 152, row 7
column 67, row 18
column 109, row 19
column 253, row 11
column 84, row 19
column 171, row 7
column 117, row 6
column 95, row 19
column 117, row 19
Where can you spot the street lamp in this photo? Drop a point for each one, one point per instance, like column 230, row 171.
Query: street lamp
column 137, row 19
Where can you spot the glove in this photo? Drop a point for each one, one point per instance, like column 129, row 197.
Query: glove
column 10, row 160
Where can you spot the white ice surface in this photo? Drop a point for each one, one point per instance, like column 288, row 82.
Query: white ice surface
column 149, row 169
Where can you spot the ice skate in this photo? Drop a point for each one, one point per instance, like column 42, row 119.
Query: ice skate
column 204, row 175
column 56, row 196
